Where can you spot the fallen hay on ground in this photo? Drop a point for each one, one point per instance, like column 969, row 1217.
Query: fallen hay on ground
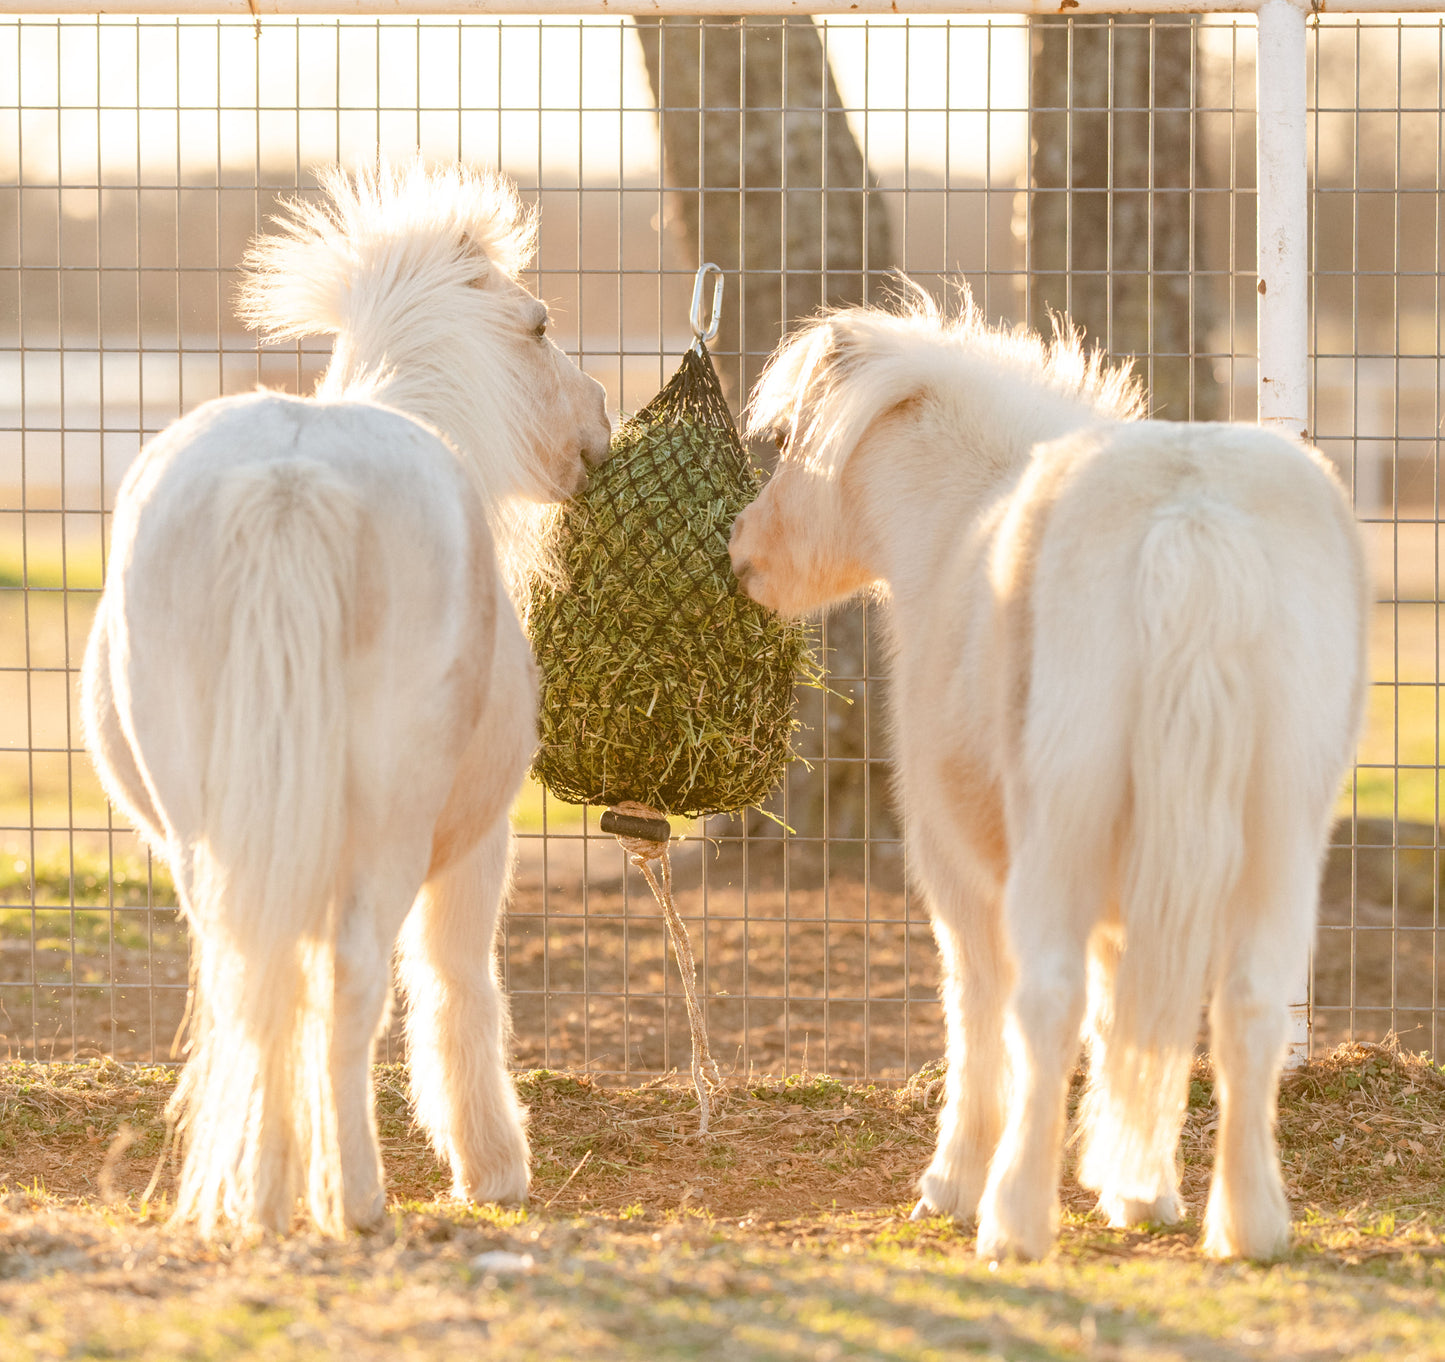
column 1361, row 1131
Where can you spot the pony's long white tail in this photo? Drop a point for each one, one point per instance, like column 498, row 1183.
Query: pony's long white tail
column 1201, row 606
column 255, row 1102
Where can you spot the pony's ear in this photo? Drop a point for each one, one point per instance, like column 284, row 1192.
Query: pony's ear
column 477, row 259
column 778, row 403
column 851, row 340
column 496, row 226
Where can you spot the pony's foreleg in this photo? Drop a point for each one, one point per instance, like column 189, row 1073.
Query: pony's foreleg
column 458, row 1027
column 362, row 985
column 969, row 932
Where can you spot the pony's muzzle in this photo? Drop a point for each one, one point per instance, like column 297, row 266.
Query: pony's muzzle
column 597, row 443
column 737, row 556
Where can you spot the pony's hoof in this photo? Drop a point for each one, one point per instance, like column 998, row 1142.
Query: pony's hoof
column 501, row 1188
column 1124, row 1212
column 924, row 1210
column 996, row 1246
column 366, row 1213
column 1263, row 1242
column 1021, row 1228
column 954, row 1197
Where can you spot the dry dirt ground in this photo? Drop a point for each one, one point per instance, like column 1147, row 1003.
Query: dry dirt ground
column 782, row 1234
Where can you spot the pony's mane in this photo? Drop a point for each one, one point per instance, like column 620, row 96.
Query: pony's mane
column 389, row 260
column 384, row 225
column 841, row 370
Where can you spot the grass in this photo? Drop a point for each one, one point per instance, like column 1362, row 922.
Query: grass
column 536, row 810
column 83, row 879
column 45, row 563
column 784, row 1235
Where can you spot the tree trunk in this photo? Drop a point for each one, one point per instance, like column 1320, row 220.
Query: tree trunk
column 769, row 183
column 767, row 177
column 1112, row 230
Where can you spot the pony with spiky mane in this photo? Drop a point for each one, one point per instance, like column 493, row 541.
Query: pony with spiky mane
column 1129, row 670
column 820, row 406
column 307, row 686
column 389, row 262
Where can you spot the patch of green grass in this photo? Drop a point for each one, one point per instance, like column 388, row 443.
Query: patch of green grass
column 535, row 810
column 614, row 1288
column 86, row 879
column 1400, row 749
column 805, row 1090
column 87, row 929
column 41, row 565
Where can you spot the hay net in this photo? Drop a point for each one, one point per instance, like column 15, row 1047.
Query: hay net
column 662, row 684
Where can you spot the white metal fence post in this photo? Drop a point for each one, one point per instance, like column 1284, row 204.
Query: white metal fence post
column 1281, row 249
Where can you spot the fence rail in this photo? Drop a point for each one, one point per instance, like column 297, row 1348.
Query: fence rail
column 250, row 9
column 138, row 153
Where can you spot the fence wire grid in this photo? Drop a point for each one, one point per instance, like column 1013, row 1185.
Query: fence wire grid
column 1100, row 166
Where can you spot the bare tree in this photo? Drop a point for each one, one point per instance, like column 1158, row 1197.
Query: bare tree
column 1113, row 230
column 768, row 179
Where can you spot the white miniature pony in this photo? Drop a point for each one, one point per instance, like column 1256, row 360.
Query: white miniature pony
column 307, row 687
column 1129, row 667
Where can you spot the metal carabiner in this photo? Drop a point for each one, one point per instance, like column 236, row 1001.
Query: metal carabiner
column 702, row 335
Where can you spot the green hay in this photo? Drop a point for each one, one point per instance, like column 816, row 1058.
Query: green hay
column 661, row 682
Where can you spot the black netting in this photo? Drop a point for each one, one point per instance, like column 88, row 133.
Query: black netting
column 661, row 682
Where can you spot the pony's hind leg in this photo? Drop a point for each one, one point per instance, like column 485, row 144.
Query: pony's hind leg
column 1063, row 813
column 1055, row 897
column 1018, row 1214
column 1271, row 918
column 1098, row 1168
column 457, row 1025
column 1248, row 1215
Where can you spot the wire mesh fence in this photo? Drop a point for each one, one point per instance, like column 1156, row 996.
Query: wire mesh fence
column 1103, row 166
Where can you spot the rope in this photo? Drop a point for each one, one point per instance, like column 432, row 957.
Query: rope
column 642, row 852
